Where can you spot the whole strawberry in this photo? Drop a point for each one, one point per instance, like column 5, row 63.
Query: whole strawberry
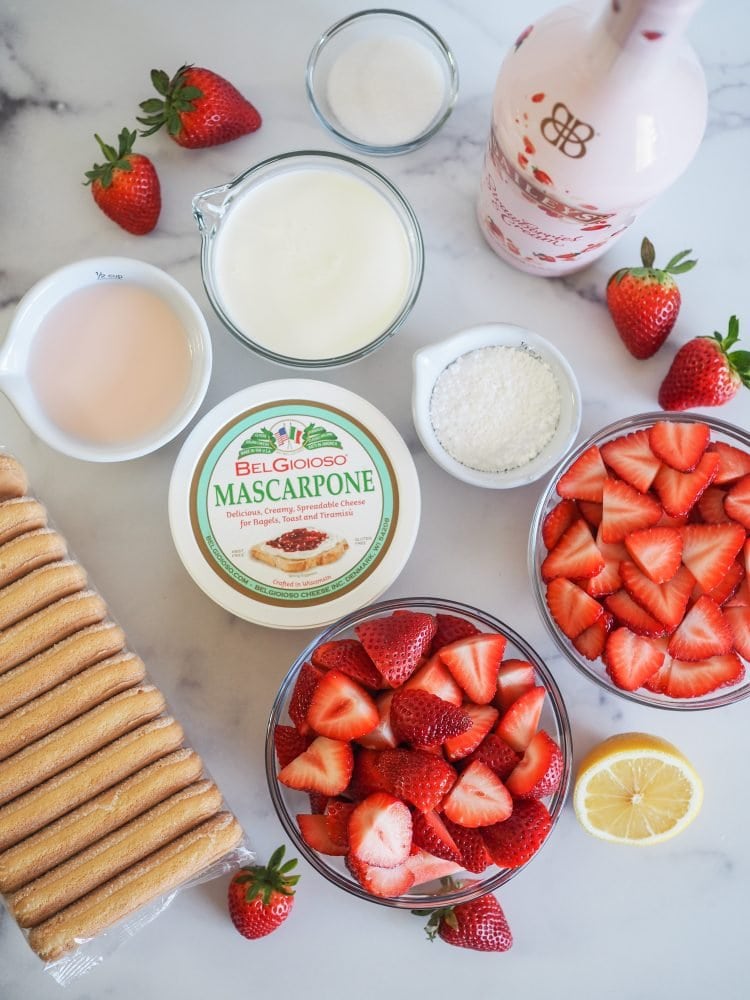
column 199, row 108
column 705, row 372
column 261, row 897
column 479, row 925
column 644, row 301
column 126, row 186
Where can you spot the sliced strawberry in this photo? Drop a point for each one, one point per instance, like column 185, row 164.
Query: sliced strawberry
column 585, row 478
column 288, row 743
column 683, row 679
column 656, row 551
column 416, row 776
column 326, row 766
column 483, row 718
column 349, row 657
column 474, row 663
column 318, row 802
column 381, row 736
column 625, row 510
column 425, row 867
column 366, row 775
column 304, row 686
column 513, row 678
column 574, row 556
column 498, row 755
column 664, row 601
column 708, row 550
column 741, row 596
column 591, row 512
column 590, row 643
column 513, row 842
column 726, row 587
column 540, row 771
column 630, row 614
column 679, row 445
column 679, row 491
column 436, row 678
column 340, row 708
column 673, row 520
column 571, row 607
column 380, row 830
column 424, row 720
column 738, row 619
column 704, row 633
column 450, row 628
column 710, row 507
column 315, row 834
column 432, row 835
column 608, row 580
column 631, row 458
column 474, row 856
column 387, row 883
column 737, row 503
column 478, row 798
column 336, row 815
column 733, row 462
column 631, row 659
column 521, row 721
column 397, row 643
column 557, row 521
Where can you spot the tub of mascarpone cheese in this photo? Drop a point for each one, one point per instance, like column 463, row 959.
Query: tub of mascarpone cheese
column 293, row 503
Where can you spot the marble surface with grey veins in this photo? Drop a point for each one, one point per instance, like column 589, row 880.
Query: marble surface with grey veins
column 590, row 920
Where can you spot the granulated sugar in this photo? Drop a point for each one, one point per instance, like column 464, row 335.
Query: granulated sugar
column 494, row 409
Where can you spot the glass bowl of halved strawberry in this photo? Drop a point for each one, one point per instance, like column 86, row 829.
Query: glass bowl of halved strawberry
column 640, row 555
column 418, row 748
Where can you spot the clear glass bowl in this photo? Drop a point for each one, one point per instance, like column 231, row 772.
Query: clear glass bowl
column 595, row 670
column 364, row 26
column 212, row 207
column 288, row 802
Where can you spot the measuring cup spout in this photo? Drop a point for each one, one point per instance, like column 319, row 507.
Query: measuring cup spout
column 208, row 207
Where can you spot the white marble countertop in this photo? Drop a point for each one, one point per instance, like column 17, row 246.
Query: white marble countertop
column 590, row 920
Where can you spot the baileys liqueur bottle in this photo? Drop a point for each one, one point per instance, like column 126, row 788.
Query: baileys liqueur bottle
column 595, row 113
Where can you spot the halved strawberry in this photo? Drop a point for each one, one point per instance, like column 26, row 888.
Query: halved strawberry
column 571, row 607
column 679, row 491
column 666, row 602
column 423, row 719
column 435, row 677
column 625, row 510
column 585, row 478
column 632, row 459
column 326, row 766
column 315, row 834
column 734, row 463
column 304, row 686
column 656, row 551
column 396, row 643
column 416, row 776
column 683, row 679
column 426, row 867
column 384, row 882
column 349, row 657
column 708, row 550
column 340, row 708
column 478, row 798
column 513, row 842
column 496, row 754
column 474, row 663
column 521, row 721
column 737, row 502
column 513, row 678
column 704, row 632
column 540, row 771
column 607, row 581
column 738, row 619
column 710, row 506
column 288, row 743
column 591, row 512
column 483, row 718
column 431, row 834
column 318, row 802
column 574, row 556
column 381, row 736
column 557, row 522
column 366, row 774
column 631, row 659
column 680, row 445
column 628, row 613
column 336, row 814
column 380, row 830
column 741, row 596
column 590, row 643
column 449, row 629
column 474, row 856
column 726, row 587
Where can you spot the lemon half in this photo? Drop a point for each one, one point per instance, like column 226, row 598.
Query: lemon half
column 636, row 789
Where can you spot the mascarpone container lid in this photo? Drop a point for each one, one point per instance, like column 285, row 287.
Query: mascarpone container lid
column 293, row 503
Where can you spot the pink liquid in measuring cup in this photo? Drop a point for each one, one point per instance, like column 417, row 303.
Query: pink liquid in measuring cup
column 110, row 363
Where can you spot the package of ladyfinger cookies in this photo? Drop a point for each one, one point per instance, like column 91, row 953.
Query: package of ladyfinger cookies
column 106, row 811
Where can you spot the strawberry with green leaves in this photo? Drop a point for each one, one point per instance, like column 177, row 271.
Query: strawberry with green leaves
column 126, row 186
column 261, row 897
column 706, row 372
column 479, row 924
column 644, row 301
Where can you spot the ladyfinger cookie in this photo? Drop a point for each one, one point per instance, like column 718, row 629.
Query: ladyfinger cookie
column 28, row 551
column 39, row 588
column 57, row 621
column 49, row 801
column 158, row 874
column 13, row 479
column 101, row 862
column 55, row 665
column 69, row 700
column 19, row 515
column 77, row 739
column 108, row 811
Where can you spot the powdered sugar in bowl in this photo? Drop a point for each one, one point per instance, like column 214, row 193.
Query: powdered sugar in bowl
column 495, row 405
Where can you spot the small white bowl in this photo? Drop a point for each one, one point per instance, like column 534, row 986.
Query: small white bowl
column 34, row 307
column 430, row 362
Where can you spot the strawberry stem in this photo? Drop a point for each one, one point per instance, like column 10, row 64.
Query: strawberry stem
column 115, row 159
column 648, row 254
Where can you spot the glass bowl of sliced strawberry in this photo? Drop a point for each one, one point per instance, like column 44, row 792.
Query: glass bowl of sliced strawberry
column 418, row 748
column 640, row 555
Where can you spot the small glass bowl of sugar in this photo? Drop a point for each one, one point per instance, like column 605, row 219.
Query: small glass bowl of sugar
column 382, row 82
column 495, row 405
